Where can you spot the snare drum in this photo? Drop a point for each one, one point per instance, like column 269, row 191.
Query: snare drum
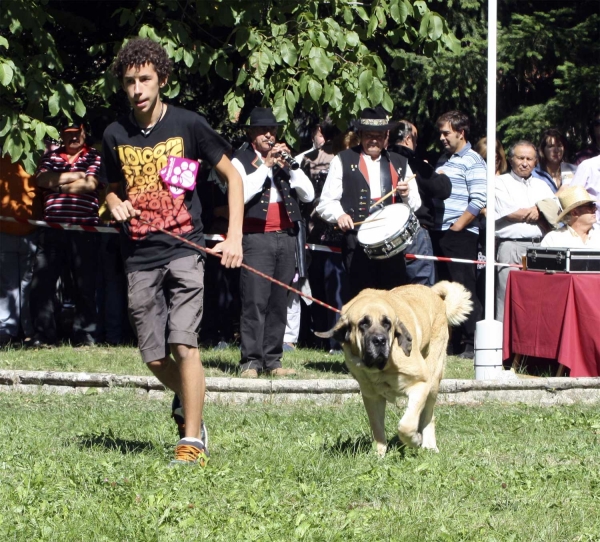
column 388, row 231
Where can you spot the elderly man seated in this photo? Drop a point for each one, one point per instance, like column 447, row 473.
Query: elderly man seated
column 579, row 216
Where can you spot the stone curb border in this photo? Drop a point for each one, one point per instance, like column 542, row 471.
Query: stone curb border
column 542, row 391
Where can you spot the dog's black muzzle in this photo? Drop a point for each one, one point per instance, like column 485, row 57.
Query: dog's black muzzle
column 376, row 350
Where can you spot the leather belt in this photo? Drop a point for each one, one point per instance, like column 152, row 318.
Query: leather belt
column 537, row 239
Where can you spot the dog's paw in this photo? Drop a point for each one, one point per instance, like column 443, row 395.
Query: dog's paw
column 413, row 440
column 429, row 442
column 381, row 449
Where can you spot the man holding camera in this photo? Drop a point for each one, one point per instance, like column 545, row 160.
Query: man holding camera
column 273, row 186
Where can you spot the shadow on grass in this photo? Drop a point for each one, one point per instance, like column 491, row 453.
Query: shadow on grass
column 210, row 360
column 349, row 446
column 338, row 367
column 360, row 445
column 110, row 442
column 534, row 366
column 396, row 444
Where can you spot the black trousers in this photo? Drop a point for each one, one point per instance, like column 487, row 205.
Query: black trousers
column 221, row 303
column 364, row 272
column 459, row 244
column 111, row 292
column 61, row 251
column 264, row 303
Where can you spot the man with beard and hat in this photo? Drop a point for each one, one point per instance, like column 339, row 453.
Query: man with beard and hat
column 358, row 177
column 272, row 191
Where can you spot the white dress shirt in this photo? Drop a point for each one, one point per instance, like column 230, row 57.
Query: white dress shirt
column 514, row 193
column 588, row 176
column 567, row 237
column 330, row 208
column 253, row 182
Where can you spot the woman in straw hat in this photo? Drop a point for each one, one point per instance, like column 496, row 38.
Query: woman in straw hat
column 579, row 216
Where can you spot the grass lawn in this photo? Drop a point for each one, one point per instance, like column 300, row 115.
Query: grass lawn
column 94, row 468
column 126, row 360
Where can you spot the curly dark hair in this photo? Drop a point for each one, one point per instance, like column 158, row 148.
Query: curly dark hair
column 458, row 122
column 138, row 52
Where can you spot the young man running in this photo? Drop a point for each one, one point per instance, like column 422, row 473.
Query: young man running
column 165, row 275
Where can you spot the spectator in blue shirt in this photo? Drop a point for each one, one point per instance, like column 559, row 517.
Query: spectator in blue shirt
column 455, row 231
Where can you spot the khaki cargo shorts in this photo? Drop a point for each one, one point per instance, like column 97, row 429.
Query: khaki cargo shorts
column 165, row 305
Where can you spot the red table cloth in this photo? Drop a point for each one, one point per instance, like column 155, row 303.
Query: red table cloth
column 554, row 316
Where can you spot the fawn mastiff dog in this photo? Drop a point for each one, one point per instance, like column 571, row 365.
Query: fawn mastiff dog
column 395, row 344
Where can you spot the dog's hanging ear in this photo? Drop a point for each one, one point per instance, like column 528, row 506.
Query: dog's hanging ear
column 404, row 337
column 340, row 332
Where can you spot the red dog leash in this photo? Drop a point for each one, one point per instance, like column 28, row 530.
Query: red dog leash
column 251, row 269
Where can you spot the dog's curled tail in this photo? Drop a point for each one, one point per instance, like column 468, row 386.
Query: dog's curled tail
column 457, row 299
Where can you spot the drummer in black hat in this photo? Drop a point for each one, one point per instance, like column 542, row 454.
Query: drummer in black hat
column 273, row 186
column 358, row 178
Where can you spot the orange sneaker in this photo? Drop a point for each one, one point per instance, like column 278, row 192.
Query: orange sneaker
column 190, row 452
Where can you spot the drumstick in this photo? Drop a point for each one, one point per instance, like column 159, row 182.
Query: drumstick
column 390, row 193
column 361, row 222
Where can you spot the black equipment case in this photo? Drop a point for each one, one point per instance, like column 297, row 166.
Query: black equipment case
column 563, row 260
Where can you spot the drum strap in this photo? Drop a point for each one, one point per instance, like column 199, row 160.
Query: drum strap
column 385, row 180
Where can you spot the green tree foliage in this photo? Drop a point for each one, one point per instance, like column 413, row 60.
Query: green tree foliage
column 32, row 86
column 305, row 56
column 548, row 70
column 549, row 63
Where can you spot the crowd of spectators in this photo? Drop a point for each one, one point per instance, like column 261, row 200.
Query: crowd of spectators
column 62, row 285
column 163, row 178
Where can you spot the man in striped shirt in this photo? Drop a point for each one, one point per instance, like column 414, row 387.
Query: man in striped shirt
column 456, row 227
column 68, row 180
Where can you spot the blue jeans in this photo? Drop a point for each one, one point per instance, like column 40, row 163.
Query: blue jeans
column 328, row 282
column 420, row 271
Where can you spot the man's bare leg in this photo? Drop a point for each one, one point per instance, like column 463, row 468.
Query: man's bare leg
column 167, row 371
column 192, row 386
column 184, row 376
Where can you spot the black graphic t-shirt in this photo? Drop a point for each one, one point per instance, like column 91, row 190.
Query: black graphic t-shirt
column 134, row 161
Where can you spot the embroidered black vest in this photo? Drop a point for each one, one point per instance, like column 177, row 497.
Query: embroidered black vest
column 258, row 206
column 356, row 195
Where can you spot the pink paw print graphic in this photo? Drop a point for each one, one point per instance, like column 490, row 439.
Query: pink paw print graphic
column 180, row 174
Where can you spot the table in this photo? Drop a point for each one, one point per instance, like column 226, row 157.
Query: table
column 554, row 316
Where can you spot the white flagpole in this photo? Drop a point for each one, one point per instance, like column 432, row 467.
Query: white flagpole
column 488, row 333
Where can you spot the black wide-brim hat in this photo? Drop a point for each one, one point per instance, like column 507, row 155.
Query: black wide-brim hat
column 261, row 117
column 374, row 119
